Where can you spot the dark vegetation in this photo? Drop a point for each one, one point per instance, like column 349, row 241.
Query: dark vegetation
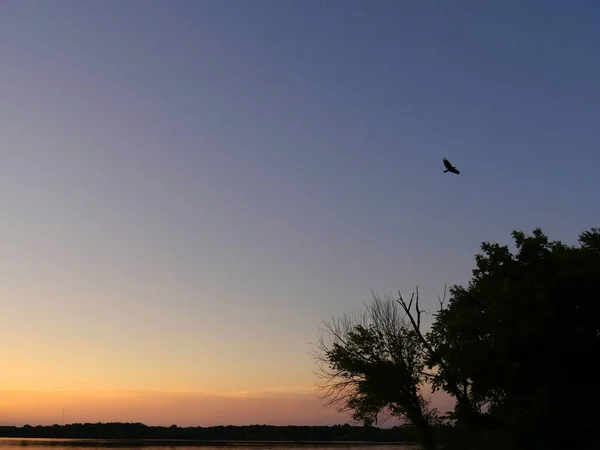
column 207, row 434
column 516, row 348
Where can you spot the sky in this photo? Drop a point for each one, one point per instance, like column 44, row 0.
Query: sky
column 189, row 188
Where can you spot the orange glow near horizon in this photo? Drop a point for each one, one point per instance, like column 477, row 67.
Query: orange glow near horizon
column 184, row 408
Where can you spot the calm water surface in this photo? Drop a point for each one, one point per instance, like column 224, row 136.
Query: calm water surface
column 72, row 444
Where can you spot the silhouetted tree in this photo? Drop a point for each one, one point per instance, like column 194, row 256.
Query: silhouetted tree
column 516, row 348
column 523, row 335
column 373, row 364
column 129, row 434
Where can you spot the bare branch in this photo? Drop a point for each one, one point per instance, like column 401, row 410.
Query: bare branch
column 453, row 384
column 442, row 300
column 418, row 310
column 407, row 310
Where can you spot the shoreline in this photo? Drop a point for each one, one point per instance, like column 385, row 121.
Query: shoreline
column 189, row 442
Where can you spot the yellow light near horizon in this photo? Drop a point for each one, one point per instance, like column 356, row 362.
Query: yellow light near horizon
column 184, row 408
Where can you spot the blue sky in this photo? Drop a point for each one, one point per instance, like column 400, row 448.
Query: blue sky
column 196, row 184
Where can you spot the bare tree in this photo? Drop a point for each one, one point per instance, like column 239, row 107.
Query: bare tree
column 373, row 364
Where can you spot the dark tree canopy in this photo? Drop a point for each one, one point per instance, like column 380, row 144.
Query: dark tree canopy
column 524, row 334
column 517, row 348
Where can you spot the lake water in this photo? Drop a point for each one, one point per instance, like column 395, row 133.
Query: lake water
column 88, row 444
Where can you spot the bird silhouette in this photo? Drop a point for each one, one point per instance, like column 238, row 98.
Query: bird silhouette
column 450, row 167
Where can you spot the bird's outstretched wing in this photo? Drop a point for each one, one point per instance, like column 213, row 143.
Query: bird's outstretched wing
column 449, row 167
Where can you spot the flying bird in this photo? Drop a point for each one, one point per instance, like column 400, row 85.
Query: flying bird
column 450, row 167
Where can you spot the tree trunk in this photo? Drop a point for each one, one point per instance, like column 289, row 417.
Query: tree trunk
column 425, row 434
column 423, row 426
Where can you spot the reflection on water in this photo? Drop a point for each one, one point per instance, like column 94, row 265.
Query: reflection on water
column 86, row 444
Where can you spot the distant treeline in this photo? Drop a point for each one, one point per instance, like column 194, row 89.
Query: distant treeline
column 219, row 433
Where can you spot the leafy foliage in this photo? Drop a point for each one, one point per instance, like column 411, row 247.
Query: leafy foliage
column 523, row 335
column 516, row 347
column 375, row 365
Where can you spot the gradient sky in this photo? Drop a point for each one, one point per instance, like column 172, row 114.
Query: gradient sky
column 190, row 187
